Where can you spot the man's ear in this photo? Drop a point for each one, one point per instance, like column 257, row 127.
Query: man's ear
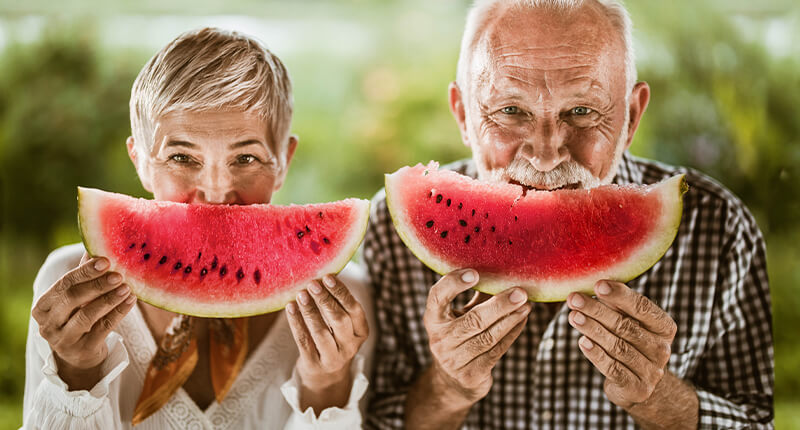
column 293, row 140
column 141, row 169
column 457, row 109
column 639, row 98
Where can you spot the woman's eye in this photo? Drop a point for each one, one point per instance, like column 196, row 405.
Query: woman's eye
column 180, row 158
column 510, row 110
column 245, row 159
column 581, row 111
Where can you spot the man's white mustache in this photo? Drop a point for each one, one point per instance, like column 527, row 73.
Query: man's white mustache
column 566, row 173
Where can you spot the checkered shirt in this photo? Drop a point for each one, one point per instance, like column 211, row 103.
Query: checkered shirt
column 712, row 281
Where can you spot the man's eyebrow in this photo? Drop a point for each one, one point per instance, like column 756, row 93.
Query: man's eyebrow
column 180, row 143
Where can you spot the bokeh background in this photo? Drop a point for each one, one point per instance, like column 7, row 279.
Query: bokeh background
column 370, row 83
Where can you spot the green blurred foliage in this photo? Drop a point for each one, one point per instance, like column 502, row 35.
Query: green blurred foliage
column 720, row 103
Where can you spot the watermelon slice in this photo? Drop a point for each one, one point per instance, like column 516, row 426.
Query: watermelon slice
column 219, row 261
column 550, row 243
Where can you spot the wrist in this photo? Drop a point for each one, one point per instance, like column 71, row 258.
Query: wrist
column 443, row 387
column 318, row 382
column 76, row 377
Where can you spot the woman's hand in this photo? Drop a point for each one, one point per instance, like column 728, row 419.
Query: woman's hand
column 77, row 313
column 329, row 326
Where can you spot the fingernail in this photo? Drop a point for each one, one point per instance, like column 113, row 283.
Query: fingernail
column 303, row 297
column 315, row 288
column 586, row 343
column 517, row 296
column 603, row 288
column 121, row 291
column 101, row 264
column 578, row 318
column 577, row 301
column 130, row 299
column 290, row 307
column 523, row 309
column 468, row 277
column 329, row 281
column 114, row 278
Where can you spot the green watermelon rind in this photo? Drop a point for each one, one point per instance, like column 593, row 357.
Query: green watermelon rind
column 671, row 191
column 95, row 246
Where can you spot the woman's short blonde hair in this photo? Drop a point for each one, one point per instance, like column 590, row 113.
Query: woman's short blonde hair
column 212, row 69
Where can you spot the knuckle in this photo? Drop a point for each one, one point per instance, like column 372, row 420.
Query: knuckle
column 83, row 319
column 672, row 328
column 472, row 321
column 484, row 340
column 621, row 349
column 642, row 305
column 628, row 327
column 107, row 324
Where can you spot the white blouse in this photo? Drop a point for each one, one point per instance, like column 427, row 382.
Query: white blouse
column 263, row 396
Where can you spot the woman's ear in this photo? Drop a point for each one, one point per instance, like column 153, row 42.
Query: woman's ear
column 291, row 147
column 141, row 168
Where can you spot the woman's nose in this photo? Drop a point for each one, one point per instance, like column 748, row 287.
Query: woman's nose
column 216, row 185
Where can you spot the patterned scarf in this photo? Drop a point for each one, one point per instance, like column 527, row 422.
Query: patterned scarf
column 176, row 358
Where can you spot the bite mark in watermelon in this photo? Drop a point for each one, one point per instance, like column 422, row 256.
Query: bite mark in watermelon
column 550, row 243
column 219, row 260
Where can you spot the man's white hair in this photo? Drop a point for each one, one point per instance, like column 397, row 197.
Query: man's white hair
column 481, row 11
column 211, row 69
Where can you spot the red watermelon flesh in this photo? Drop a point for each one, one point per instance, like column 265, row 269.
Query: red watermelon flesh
column 219, row 260
column 551, row 243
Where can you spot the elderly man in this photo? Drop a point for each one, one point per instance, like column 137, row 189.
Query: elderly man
column 546, row 96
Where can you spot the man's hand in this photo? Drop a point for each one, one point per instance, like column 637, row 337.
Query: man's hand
column 627, row 337
column 77, row 313
column 467, row 346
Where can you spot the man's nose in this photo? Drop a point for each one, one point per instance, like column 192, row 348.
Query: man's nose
column 544, row 148
column 216, row 185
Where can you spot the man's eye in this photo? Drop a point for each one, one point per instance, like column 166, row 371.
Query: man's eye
column 180, row 158
column 581, row 111
column 245, row 159
column 510, row 110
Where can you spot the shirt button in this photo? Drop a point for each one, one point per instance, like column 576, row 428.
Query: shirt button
column 547, row 415
column 548, row 344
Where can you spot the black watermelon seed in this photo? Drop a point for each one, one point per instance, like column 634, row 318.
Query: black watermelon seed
column 223, row 271
column 477, row 229
column 448, row 202
column 199, row 254
column 187, row 270
column 466, row 239
column 163, row 259
column 439, row 198
column 487, row 215
column 473, row 212
column 144, row 244
column 444, row 234
column 203, row 272
column 132, row 246
column 429, row 224
column 462, row 222
column 178, row 265
column 319, row 214
column 492, row 229
column 214, row 263
column 515, row 218
column 510, row 243
column 240, row 274
column 257, row 274
column 300, row 234
column 460, row 205
column 147, row 256
column 326, row 240
column 430, row 194
column 308, row 230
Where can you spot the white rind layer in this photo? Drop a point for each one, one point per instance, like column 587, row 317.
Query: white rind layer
column 89, row 203
column 669, row 192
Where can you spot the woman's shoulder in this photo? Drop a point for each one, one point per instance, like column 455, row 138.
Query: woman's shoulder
column 59, row 262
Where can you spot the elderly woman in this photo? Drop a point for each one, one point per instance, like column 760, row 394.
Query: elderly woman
column 210, row 116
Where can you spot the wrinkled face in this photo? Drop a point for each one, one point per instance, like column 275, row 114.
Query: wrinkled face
column 546, row 103
column 212, row 157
